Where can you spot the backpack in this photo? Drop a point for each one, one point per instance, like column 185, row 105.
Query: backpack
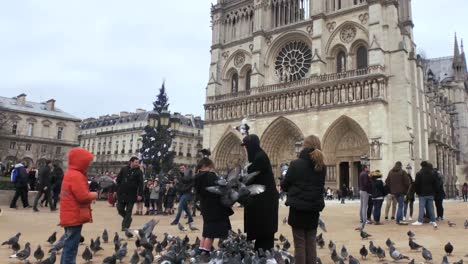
column 14, row 175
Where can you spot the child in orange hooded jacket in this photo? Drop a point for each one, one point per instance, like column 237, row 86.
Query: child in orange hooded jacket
column 75, row 202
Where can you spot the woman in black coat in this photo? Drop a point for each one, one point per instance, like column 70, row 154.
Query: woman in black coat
column 261, row 211
column 305, row 185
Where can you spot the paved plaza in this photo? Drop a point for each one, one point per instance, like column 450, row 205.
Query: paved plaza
column 341, row 220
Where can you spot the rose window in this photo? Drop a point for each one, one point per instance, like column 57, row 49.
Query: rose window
column 293, row 61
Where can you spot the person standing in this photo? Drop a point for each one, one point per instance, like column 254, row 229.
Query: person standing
column 129, row 190
column 425, row 187
column 154, row 197
column 169, row 198
column 32, row 179
column 305, row 183
column 344, row 193
column 184, row 188
column 261, row 211
column 43, row 186
column 75, row 202
column 378, row 194
column 57, row 178
column 398, row 185
column 409, row 200
column 19, row 177
column 390, row 201
column 465, row 192
column 364, row 189
column 439, row 195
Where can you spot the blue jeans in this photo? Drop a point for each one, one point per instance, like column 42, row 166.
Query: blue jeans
column 426, row 202
column 72, row 241
column 401, row 202
column 183, row 206
column 377, row 209
column 363, row 209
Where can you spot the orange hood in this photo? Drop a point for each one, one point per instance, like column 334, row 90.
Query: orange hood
column 79, row 159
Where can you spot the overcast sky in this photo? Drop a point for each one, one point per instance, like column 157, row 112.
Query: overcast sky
column 105, row 56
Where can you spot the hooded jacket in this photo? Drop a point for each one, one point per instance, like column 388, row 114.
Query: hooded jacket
column 21, row 180
column 75, row 198
column 398, row 181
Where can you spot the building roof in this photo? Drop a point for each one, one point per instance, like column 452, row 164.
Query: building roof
column 441, row 68
column 35, row 109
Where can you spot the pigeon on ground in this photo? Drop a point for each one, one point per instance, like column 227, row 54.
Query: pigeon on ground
column 353, row 260
column 128, row 234
column 110, row 260
column 448, row 249
column 389, row 243
column 426, row 254
column 363, row 252
column 445, row 260
column 59, row 244
column 322, row 226
column 451, row 224
column 105, row 236
column 365, row 235
column 95, row 247
column 135, row 258
column 12, row 240
column 413, row 245
column 396, row 255
column 380, row 253
column 181, row 227
column 372, row 248
column 411, row 234
column 320, row 241
column 116, row 237
column 51, row 259
column 335, row 257
column 331, row 246
column 87, row 255
column 122, row 252
column 466, row 224
column 23, row 254
column 344, row 253
column 193, row 228
column 52, row 238
column 459, row 262
column 38, row 254
column 411, row 262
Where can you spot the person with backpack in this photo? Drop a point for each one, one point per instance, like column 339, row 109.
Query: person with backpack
column 19, row 177
column 465, row 192
column 439, row 195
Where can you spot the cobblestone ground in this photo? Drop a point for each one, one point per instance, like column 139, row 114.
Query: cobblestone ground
column 341, row 220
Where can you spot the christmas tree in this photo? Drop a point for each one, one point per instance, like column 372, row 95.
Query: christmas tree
column 157, row 140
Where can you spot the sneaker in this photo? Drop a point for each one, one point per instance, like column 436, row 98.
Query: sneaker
column 368, row 222
column 417, row 223
column 393, row 218
column 410, row 218
column 402, row 223
column 434, row 224
column 404, row 218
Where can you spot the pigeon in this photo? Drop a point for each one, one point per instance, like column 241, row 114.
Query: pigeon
column 135, row 258
column 344, row 253
column 380, row 253
column 320, row 241
column 363, row 252
column 23, row 254
column 286, row 245
column 411, row 234
column 59, row 244
column 87, row 255
column 110, row 260
column 181, row 227
column 322, row 226
column 353, row 260
column 95, row 246
column 451, row 224
column 411, row 262
column 445, row 260
column 122, row 252
column 331, row 246
column 116, row 238
column 51, row 259
column 335, row 257
column 448, row 249
column 51, row 240
column 459, row 262
column 105, row 236
column 283, row 238
column 128, row 234
column 285, row 220
column 12, row 240
column 15, row 247
column 365, row 235
column 426, row 254
column 413, row 245
column 372, row 248
column 396, row 255
column 466, row 224
column 193, row 228
column 389, row 243
column 38, row 254
column 82, row 239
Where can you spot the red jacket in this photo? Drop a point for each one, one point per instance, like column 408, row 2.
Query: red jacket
column 75, row 198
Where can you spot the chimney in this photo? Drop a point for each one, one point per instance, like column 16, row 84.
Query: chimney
column 50, row 105
column 123, row 113
column 21, row 99
column 140, row 110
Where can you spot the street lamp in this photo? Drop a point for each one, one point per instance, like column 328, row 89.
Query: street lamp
column 164, row 118
column 175, row 123
column 365, row 160
column 153, row 120
column 409, row 168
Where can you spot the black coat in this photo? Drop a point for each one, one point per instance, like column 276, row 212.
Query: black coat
column 57, row 178
column 440, row 192
column 44, row 178
column 426, row 182
column 305, row 187
column 185, row 184
column 211, row 207
column 129, row 184
column 378, row 189
column 261, row 211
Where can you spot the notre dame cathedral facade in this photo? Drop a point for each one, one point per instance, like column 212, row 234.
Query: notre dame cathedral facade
column 344, row 70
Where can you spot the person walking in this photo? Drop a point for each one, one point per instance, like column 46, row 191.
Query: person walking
column 56, row 184
column 32, row 174
column 19, row 177
column 364, row 189
column 305, row 183
column 75, row 202
column 378, row 194
column 260, row 211
column 344, row 193
column 465, row 192
column 184, row 188
column 129, row 190
column 439, row 195
column 398, row 185
column 426, row 187
column 44, row 186
column 409, row 200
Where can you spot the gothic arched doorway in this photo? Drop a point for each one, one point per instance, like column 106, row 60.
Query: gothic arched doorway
column 279, row 141
column 229, row 153
column 343, row 145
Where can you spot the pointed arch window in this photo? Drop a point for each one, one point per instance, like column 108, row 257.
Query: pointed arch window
column 248, row 76
column 362, row 58
column 235, row 83
column 341, row 61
